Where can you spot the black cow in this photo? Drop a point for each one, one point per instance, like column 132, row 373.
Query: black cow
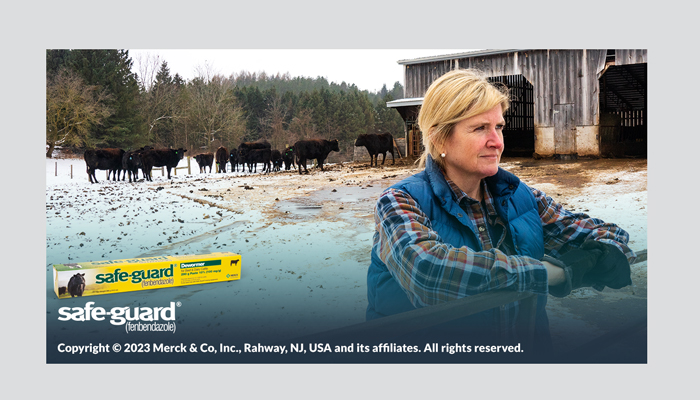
column 233, row 159
column 245, row 147
column 276, row 160
column 168, row 158
column 288, row 158
column 255, row 156
column 204, row 160
column 131, row 162
column 314, row 148
column 377, row 144
column 221, row 159
column 61, row 290
column 76, row 285
column 108, row 159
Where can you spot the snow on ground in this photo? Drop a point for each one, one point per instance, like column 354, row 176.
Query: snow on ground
column 305, row 240
column 306, row 274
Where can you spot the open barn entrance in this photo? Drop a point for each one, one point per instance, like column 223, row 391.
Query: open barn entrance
column 409, row 109
column 519, row 132
column 623, row 111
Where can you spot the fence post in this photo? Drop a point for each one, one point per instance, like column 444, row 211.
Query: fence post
column 71, row 171
column 189, row 171
column 56, row 172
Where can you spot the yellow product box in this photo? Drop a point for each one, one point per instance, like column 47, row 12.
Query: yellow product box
column 115, row 276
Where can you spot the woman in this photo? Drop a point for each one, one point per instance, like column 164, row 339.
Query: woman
column 464, row 226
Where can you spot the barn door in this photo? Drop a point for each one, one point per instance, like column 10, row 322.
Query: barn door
column 564, row 130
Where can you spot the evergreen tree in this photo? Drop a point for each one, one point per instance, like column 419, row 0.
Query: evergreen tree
column 178, row 81
column 159, row 108
column 254, row 106
column 388, row 119
column 383, row 92
column 397, row 91
column 111, row 70
column 55, row 59
column 163, row 76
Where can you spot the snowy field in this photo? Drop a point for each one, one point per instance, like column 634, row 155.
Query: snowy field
column 304, row 265
column 306, row 275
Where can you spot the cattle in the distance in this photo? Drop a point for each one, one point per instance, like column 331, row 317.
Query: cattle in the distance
column 221, row 158
column 276, row 160
column 204, row 160
column 233, row 159
column 245, row 147
column 168, row 158
column 288, row 158
column 376, row 144
column 131, row 163
column 105, row 159
column 258, row 156
column 314, row 149
column 76, row 285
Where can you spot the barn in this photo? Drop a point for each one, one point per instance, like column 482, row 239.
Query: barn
column 565, row 104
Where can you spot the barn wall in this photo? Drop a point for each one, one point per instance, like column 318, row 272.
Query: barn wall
column 587, row 141
column 624, row 57
column 559, row 78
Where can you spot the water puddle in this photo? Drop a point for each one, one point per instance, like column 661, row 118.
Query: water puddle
column 314, row 203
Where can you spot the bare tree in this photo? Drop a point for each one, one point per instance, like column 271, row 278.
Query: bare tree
column 274, row 122
column 302, row 126
column 147, row 65
column 72, row 109
column 206, row 72
column 214, row 113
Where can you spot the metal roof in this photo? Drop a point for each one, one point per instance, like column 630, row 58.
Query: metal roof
column 414, row 101
column 467, row 54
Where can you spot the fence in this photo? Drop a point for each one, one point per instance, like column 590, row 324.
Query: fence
column 385, row 328
column 397, row 325
column 162, row 169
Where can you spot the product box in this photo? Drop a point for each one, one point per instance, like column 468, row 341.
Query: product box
column 115, row 276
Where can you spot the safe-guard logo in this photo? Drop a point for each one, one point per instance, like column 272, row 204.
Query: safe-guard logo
column 135, row 276
column 142, row 319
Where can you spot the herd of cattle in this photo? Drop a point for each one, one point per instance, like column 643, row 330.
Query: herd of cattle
column 120, row 163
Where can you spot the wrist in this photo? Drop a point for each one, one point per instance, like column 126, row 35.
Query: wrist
column 555, row 274
column 559, row 277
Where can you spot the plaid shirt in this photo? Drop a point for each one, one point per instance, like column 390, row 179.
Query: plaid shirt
column 405, row 236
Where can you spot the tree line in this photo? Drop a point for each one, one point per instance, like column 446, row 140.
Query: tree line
column 95, row 100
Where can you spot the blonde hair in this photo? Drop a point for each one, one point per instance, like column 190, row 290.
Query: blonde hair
column 456, row 95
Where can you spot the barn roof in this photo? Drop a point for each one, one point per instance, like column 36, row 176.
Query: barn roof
column 414, row 101
column 475, row 53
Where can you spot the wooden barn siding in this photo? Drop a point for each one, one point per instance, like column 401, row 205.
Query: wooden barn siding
column 554, row 75
column 624, row 57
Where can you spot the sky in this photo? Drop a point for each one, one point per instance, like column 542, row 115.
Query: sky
column 368, row 69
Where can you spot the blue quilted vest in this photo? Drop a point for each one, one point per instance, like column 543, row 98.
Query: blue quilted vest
column 514, row 203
